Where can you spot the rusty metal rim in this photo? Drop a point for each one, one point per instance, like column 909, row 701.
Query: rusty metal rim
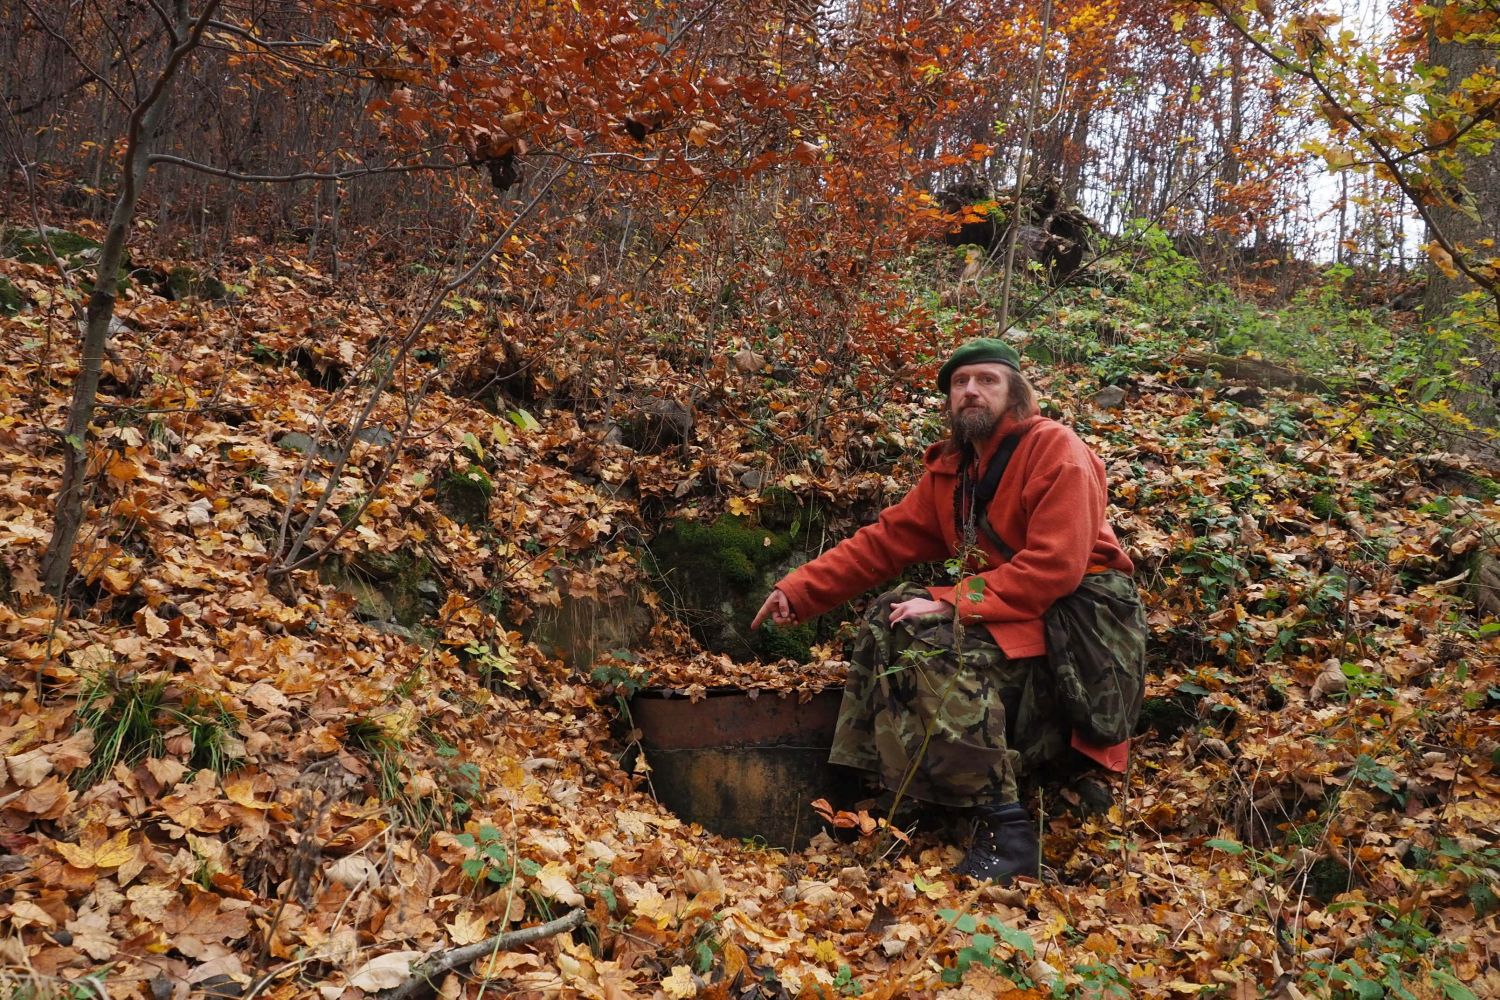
column 737, row 721
column 726, row 691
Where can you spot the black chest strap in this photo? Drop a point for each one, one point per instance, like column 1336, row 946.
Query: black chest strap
column 987, row 487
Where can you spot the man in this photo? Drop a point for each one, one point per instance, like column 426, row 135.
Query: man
column 949, row 699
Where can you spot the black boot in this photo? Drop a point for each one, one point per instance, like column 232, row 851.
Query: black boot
column 1005, row 845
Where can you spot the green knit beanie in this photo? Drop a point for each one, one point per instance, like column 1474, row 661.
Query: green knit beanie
column 976, row 352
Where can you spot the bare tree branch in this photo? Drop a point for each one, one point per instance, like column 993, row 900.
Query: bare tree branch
column 29, row 175
column 444, row 963
column 1387, row 157
column 84, row 80
column 144, row 117
column 1023, row 165
column 304, row 175
column 265, row 43
column 166, row 19
column 77, row 56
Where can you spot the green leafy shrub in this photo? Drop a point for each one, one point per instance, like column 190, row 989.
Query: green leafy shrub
column 492, row 861
column 986, row 936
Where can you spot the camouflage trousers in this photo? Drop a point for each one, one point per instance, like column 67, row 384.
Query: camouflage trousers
column 936, row 723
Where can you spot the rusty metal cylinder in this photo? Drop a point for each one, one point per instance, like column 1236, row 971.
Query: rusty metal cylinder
column 742, row 765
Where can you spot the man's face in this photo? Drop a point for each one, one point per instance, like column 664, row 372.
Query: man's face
column 977, row 395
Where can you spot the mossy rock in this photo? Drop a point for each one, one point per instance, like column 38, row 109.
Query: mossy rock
column 383, row 565
column 1327, row 879
column 30, row 246
column 793, row 642
column 465, row 495
column 730, row 546
column 390, row 587
column 76, row 252
column 780, row 508
column 189, row 283
column 11, row 299
column 1169, row 716
column 716, row 574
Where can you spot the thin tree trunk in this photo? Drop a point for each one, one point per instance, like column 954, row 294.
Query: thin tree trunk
column 101, row 308
column 1021, row 167
column 1229, row 167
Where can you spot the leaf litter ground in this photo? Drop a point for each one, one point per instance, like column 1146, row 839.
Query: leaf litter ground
column 319, row 799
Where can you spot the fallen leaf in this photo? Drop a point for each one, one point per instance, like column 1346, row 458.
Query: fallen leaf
column 29, row 769
column 111, row 853
column 469, row 927
column 91, row 935
column 384, row 972
column 24, row 913
column 353, row 872
column 553, row 882
column 680, row 985
column 151, row 902
column 1330, row 680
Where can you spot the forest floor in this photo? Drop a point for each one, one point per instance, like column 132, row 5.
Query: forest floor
column 213, row 782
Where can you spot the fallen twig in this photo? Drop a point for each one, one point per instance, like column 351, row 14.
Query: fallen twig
column 444, row 963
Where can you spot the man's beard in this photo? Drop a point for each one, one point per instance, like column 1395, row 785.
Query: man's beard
column 974, row 424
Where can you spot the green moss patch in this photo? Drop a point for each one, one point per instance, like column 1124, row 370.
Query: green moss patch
column 77, row 253
column 188, row 283
column 715, row 574
column 386, row 586
column 11, row 299
column 30, row 245
column 465, row 494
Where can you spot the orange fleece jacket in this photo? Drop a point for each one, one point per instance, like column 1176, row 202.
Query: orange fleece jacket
column 1049, row 508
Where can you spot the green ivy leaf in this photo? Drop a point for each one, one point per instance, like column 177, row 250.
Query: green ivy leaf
column 1017, row 939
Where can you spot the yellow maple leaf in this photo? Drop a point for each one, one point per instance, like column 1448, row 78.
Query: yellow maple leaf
column 117, row 580
column 124, row 470
column 152, row 623
column 111, row 853
column 824, row 951
column 680, row 984
column 468, row 928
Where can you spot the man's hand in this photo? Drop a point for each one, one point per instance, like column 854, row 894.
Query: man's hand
column 777, row 608
column 917, row 607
